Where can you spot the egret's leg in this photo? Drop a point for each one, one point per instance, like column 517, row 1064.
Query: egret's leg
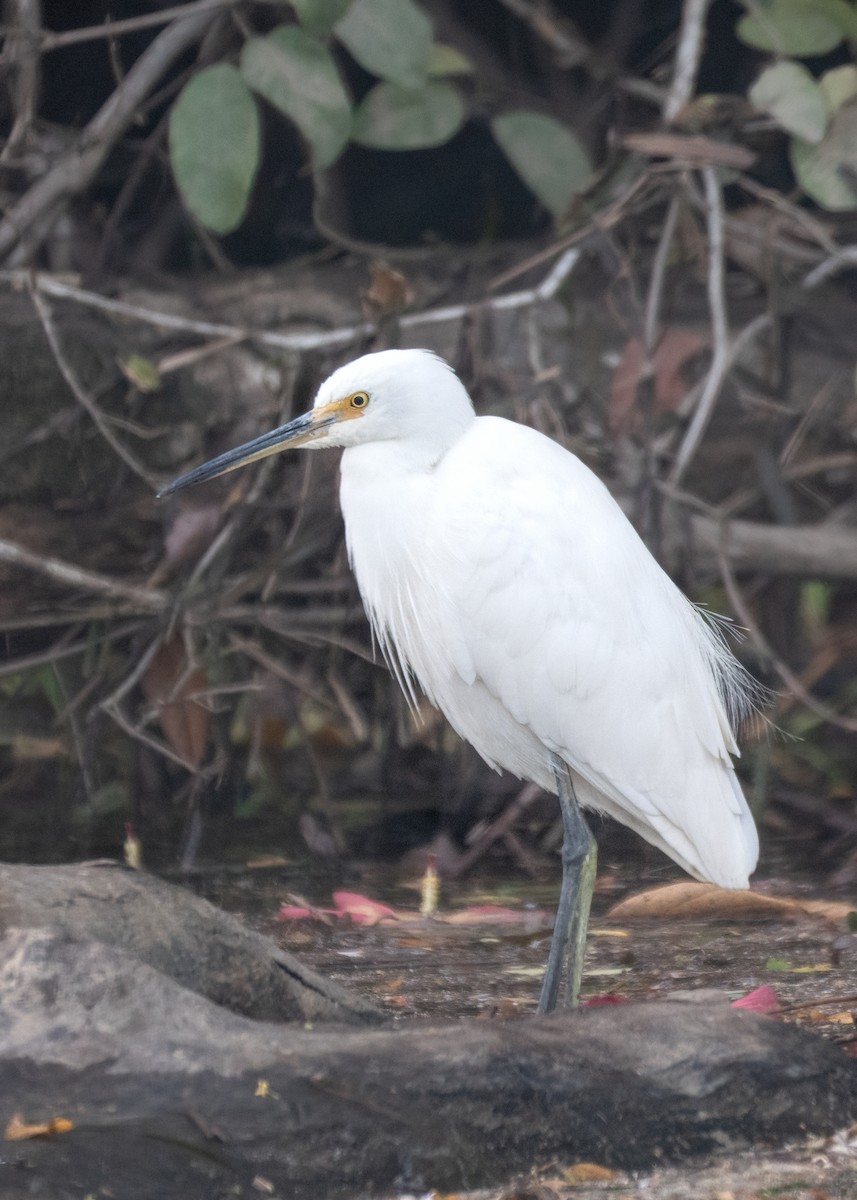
column 579, row 857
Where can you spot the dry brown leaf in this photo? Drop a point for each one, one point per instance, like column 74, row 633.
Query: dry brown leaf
column 690, row 148
column 19, row 1130
column 838, row 1018
column 691, row 899
column 388, row 292
column 173, row 687
column 588, row 1172
column 675, row 350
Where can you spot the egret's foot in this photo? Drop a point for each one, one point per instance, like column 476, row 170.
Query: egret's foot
column 579, row 859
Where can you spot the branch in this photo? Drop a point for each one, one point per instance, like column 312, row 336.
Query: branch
column 77, row 577
column 554, row 30
column 687, row 58
column 21, row 52
column 651, row 324
column 723, row 355
column 75, row 170
column 792, row 682
column 813, row 551
column 328, row 339
column 82, row 396
column 112, row 29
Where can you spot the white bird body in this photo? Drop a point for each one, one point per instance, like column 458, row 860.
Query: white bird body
column 498, row 571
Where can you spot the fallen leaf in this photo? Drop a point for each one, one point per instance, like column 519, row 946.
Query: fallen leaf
column 264, row 1091
column 783, row 964
column 361, row 909
column 600, row 1001
column 495, row 914
column 299, row 910
column 19, row 1130
column 761, row 1000
column 690, row 899
column 263, row 862
column 588, row 1172
column 838, row 1018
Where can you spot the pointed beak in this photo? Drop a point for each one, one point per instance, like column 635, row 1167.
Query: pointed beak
column 299, row 432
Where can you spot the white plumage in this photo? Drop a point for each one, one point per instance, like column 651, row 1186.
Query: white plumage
column 498, row 570
column 501, row 576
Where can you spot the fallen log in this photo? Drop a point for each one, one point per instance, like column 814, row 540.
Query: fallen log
column 177, row 933
column 172, row 1096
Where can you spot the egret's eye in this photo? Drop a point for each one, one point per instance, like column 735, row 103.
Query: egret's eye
column 359, row 400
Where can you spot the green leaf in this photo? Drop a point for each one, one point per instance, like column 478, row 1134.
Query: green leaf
column 318, row 17
column 839, row 85
column 390, row 38
column 547, row 156
column 778, row 964
column 141, row 372
column 790, row 27
column 446, row 60
column 214, row 141
column 827, row 171
column 796, row 102
column 297, row 75
column 396, row 118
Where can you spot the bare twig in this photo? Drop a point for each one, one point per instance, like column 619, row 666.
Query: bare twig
column 21, row 52
column 77, row 577
column 278, row 669
column 816, row 227
column 134, row 675
column 555, row 31
column 604, row 220
column 139, row 735
column 656, row 280
column 688, row 55
column 77, row 167
column 326, row 339
column 721, row 357
column 230, row 529
column 838, row 261
column 83, row 397
column 26, row 662
column 498, row 828
column 111, row 29
column 742, row 609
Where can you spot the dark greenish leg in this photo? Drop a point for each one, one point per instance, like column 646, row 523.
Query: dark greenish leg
column 579, row 859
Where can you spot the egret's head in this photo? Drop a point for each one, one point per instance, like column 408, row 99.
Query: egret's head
column 393, row 395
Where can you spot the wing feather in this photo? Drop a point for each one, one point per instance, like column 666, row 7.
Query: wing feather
column 552, row 629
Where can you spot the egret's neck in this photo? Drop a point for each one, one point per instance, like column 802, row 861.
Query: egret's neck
column 399, row 457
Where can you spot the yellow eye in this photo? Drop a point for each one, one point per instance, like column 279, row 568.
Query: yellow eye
column 359, row 400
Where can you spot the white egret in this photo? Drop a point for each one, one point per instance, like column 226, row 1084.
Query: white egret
column 499, row 574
